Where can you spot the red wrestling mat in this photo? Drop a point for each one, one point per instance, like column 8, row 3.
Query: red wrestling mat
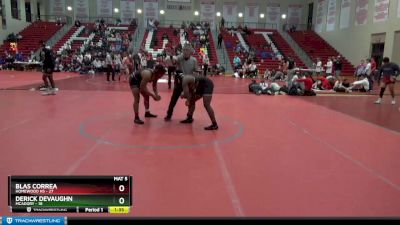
column 15, row 79
column 272, row 156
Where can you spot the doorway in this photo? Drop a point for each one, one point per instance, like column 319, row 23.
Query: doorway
column 310, row 16
column 378, row 47
column 28, row 12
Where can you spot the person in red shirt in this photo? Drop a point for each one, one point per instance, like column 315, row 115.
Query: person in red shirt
column 326, row 84
column 308, row 83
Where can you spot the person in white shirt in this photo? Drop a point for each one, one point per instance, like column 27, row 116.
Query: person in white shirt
column 263, row 85
column 88, row 56
column 110, row 68
column 252, row 69
column 363, row 83
column 80, row 58
column 329, row 66
column 144, row 61
column 318, row 67
column 206, row 62
column 68, row 47
column 97, row 65
column 368, row 71
column 117, row 64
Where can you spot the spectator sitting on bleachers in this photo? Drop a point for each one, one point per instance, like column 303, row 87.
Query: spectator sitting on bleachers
column 217, row 69
column 165, row 37
column 267, row 74
column 238, row 48
column 97, row 65
column 237, row 62
column 19, row 57
column 32, row 57
column 252, row 70
column 2, row 62
column 278, row 75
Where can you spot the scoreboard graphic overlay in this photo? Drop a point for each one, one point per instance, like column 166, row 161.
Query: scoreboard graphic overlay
column 70, row 194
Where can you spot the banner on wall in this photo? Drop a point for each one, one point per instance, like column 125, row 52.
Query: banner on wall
column 345, row 10
column 331, row 16
column 104, row 8
column 230, row 12
column 381, row 12
column 207, row 11
column 81, row 9
column 57, row 7
column 294, row 14
column 128, row 11
column 361, row 12
column 273, row 13
column 251, row 14
column 320, row 16
column 150, row 11
column 398, row 10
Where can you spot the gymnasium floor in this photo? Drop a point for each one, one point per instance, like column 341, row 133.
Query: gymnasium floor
column 273, row 156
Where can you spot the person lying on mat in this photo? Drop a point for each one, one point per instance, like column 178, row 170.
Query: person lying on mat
column 195, row 88
column 362, row 84
column 138, row 82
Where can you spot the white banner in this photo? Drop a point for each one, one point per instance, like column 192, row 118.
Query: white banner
column 345, row 14
column 128, row 11
column 273, row 13
column 320, row 16
column 398, row 10
column 381, row 12
column 104, row 8
column 331, row 16
column 207, row 11
column 81, row 9
column 230, row 13
column 294, row 14
column 251, row 14
column 361, row 12
column 150, row 11
column 57, row 7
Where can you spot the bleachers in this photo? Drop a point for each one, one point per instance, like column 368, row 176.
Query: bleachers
column 175, row 40
column 87, row 31
column 32, row 36
column 259, row 42
column 317, row 47
column 212, row 53
column 65, row 38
